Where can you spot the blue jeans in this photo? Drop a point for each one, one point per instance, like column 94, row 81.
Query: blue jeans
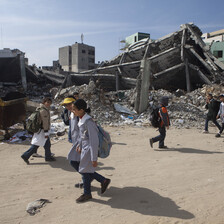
column 214, row 121
column 222, row 128
column 33, row 149
column 160, row 137
column 88, row 178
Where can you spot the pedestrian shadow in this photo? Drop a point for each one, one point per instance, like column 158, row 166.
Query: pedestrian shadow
column 102, row 167
column 117, row 143
column 143, row 201
column 187, row 150
column 62, row 163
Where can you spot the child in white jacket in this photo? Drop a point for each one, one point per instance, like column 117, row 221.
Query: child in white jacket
column 221, row 115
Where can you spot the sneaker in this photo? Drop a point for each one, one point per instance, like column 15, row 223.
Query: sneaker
column 36, row 155
column 79, row 185
column 50, row 159
column 217, row 135
column 151, row 142
column 163, row 147
column 104, row 185
column 84, row 198
column 205, row 132
column 25, row 160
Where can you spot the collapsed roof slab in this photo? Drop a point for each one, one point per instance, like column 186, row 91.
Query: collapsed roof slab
column 10, row 70
column 167, row 53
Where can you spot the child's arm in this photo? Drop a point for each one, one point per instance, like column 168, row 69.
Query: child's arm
column 93, row 141
column 219, row 113
column 164, row 116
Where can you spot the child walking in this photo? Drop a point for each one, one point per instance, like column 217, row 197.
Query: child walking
column 42, row 137
column 164, row 123
column 88, row 147
column 221, row 115
column 213, row 107
column 73, row 155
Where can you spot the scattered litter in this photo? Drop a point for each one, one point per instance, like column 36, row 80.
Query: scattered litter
column 19, row 137
column 122, row 109
column 58, row 128
column 34, row 207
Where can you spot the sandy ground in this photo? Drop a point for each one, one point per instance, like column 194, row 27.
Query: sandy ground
column 184, row 184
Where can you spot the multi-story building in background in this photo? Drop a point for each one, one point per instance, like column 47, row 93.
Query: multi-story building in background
column 76, row 58
column 215, row 40
column 134, row 38
column 65, row 58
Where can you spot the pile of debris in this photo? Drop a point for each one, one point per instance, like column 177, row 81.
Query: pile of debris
column 186, row 110
column 117, row 108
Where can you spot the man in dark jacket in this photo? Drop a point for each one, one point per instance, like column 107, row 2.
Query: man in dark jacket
column 213, row 107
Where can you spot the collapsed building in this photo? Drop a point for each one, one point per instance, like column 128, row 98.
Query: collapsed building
column 178, row 61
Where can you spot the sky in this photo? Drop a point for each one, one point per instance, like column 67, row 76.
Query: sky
column 40, row 27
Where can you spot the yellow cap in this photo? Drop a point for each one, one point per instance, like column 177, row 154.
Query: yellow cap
column 67, row 101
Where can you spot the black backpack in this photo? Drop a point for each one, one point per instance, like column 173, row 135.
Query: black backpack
column 155, row 118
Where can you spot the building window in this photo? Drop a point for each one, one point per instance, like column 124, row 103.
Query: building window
column 91, row 52
column 218, row 54
column 83, row 51
column 91, row 60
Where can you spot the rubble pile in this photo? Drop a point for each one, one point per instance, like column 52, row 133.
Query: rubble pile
column 33, row 89
column 116, row 108
column 185, row 109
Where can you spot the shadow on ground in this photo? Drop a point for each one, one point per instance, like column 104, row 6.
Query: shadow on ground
column 117, row 143
column 188, row 150
column 143, row 201
column 62, row 163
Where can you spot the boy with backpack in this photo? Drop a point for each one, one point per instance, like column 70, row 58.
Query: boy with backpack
column 41, row 135
column 163, row 123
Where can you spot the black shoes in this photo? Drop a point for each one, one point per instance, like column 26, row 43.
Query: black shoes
column 50, row 159
column 25, row 160
column 84, row 198
column 217, row 135
column 163, row 147
column 104, row 185
column 79, row 185
column 151, row 142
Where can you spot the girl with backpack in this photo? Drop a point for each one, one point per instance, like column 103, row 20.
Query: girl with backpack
column 88, row 147
column 41, row 138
